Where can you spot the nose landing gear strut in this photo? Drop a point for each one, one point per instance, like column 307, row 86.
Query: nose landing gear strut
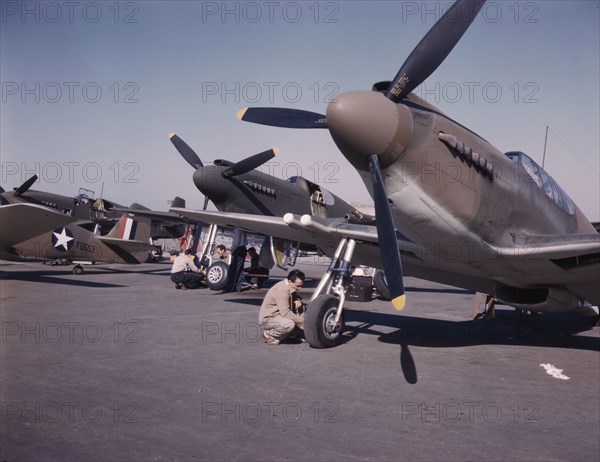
column 324, row 318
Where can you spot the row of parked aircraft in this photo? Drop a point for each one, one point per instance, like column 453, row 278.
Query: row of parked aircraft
column 43, row 226
column 490, row 222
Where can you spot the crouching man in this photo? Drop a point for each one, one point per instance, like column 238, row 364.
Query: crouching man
column 281, row 314
column 184, row 273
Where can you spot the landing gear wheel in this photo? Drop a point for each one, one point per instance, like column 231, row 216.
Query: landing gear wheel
column 78, row 270
column 216, row 276
column 320, row 328
column 380, row 283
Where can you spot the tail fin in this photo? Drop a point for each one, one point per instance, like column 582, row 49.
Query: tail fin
column 137, row 206
column 131, row 229
column 178, row 202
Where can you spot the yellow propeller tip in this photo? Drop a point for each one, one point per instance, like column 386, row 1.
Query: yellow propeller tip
column 399, row 302
column 276, row 151
column 171, row 135
column 241, row 112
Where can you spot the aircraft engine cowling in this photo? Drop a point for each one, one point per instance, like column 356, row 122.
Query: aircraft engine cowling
column 544, row 299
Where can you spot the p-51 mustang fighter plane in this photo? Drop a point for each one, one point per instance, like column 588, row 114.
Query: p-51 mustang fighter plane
column 98, row 215
column 449, row 206
column 240, row 187
column 42, row 226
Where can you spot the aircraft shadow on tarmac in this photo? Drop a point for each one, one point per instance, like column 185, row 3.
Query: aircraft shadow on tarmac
column 444, row 290
column 309, row 283
column 558, row 331
column 54, row 277
column 154, row 271
column 245, row 301
column 66, row 277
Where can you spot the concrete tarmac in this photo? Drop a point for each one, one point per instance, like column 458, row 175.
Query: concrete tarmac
column 117, row 365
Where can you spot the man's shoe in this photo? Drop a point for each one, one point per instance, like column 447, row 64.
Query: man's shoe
column 268, row 338
column 178, row 286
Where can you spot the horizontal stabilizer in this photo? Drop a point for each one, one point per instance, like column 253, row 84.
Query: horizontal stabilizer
column 128, row 251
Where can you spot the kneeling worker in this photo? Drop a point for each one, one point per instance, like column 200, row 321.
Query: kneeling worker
column 281, row 312
column 184, row 273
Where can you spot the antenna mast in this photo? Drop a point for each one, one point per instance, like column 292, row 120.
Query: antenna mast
column 545, row 141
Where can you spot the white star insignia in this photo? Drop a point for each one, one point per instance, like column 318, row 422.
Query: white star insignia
column 62, row 239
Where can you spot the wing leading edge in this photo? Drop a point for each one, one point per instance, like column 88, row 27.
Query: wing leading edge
column 572, row 258
column 23, row 221
column 323, row 232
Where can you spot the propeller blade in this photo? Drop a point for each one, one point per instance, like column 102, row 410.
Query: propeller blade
column 250, row 163
column 186, row 152
column 433, row 48
column 282, row 117
column 25, row 186
column 206, row 199
column 386, row 231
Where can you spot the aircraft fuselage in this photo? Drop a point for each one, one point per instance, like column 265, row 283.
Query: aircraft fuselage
column 260, row 193
column 469, row 206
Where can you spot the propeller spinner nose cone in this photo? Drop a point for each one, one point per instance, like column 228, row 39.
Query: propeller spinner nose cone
column 364, row 123
column 209, row 181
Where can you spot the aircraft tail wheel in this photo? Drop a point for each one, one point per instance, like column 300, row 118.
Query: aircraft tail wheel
column 380, row 283
column 77, row 269
column 216, row 275
column 320, row 328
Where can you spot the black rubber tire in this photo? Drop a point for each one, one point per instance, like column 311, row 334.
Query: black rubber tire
column 380, row 283
column 216, row 275
column 318, row 322
column 77, row 270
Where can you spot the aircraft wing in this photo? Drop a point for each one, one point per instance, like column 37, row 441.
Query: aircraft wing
column 261, row 224
column 563, row 245
column 324, row 232
column 572, row 260
column 24, row 221
column 167, row 217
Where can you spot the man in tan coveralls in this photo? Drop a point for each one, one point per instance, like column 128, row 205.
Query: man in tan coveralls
column 279, row 314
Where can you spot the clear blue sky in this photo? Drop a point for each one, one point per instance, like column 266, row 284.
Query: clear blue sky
column 90, row 90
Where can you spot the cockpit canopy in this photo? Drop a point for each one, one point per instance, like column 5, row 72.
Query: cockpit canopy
column 544, row 181
column 317, row 192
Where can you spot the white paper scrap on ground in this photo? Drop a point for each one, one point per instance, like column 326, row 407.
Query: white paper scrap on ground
column 554, row 372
